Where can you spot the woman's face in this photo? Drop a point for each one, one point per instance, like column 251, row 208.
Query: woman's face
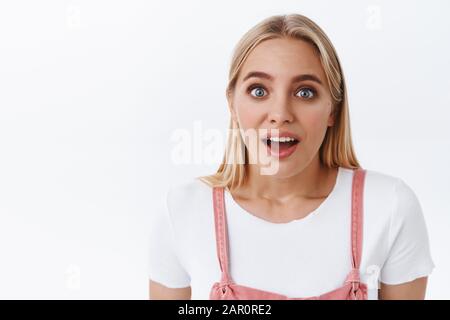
column 282, row 86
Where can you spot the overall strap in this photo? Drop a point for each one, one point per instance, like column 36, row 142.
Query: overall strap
column 220, row 223
column 357, row 216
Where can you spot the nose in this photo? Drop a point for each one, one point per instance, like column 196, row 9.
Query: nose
column 280, row 114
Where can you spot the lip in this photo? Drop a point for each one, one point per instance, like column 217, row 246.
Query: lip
column 282, row 154
column 282, row 134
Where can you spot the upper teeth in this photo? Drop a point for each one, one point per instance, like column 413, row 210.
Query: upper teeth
column 282, row 139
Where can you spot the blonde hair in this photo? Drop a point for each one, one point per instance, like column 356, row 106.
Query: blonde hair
column 337, row 148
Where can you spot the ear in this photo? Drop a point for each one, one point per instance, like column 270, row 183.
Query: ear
column 331, row 117
column 231, row 106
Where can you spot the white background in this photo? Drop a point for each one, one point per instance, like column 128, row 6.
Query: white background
column 91, row 92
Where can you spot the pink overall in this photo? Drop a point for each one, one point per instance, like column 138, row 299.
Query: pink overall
column 352, row 289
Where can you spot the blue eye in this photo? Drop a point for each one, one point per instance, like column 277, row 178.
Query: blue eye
column 259, row 91
column 306, row 93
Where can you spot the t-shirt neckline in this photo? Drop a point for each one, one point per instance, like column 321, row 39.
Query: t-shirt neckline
column 229, row 200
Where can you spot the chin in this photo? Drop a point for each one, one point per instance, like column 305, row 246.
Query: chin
column 281, row 169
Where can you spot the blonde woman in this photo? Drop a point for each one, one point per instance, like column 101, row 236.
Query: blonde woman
column 318, row 226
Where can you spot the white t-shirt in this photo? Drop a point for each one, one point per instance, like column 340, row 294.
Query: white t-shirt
column 301, row 258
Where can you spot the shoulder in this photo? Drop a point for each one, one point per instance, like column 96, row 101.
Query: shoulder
column 378, row 184
column 187, row 192
column 385, row 195
column 188, row 200
column 381, row 183
column 394, row 194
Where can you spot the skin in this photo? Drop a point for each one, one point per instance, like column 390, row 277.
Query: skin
column 278, row 103
column 304, row 108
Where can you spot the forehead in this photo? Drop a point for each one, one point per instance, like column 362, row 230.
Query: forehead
column 284, row 58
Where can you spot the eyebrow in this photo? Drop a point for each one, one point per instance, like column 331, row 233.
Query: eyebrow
column 301, row 77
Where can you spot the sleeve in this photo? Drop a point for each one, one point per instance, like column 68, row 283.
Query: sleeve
column 409, row 254
column 164, row 264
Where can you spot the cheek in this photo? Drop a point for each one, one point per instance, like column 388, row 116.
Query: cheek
column 314, row 120
column 249, row 116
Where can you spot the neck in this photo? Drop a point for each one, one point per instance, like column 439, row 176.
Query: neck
column 311, row 182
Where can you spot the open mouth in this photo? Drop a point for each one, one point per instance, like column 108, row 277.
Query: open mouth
column 281, row 144
column 281, row 147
